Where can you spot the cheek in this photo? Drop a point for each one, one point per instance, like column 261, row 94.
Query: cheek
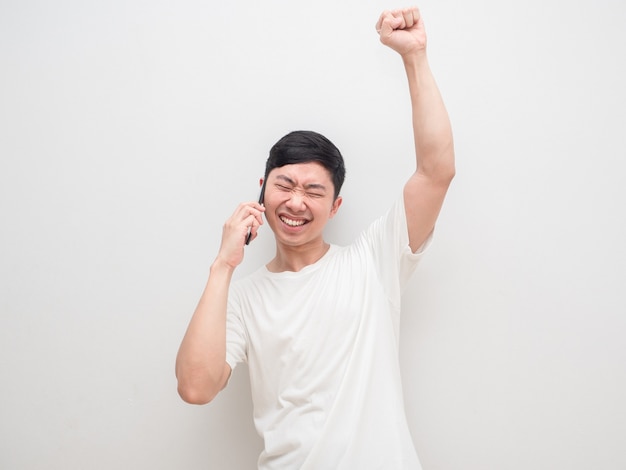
column 271, row 199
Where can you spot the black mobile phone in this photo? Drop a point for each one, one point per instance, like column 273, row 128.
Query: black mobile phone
column 261, row 196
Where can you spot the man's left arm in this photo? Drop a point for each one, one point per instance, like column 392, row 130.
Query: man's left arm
column 424, row 192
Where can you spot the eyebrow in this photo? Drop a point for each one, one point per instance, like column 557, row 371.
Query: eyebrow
column 306, row 186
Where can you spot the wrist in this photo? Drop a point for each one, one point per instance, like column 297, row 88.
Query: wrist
column 221, row 266
column 415, row 58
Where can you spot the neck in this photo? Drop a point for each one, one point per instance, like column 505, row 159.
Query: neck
column 295, row 258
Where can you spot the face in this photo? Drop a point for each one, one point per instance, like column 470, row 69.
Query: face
column 299, row 201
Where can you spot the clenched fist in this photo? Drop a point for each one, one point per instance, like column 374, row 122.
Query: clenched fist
column 402, row 30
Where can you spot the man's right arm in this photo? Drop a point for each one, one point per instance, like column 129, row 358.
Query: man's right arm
column 201, row 367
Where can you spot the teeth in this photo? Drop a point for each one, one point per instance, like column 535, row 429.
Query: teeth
column 292, row 223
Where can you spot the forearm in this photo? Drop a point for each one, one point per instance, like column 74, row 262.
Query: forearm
column 432, row 131
column 201, row 360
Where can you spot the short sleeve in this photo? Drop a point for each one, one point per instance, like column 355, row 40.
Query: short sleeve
column 236, row 344
column 388, row 241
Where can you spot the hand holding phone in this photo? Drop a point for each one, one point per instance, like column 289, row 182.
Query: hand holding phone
column 261, row 196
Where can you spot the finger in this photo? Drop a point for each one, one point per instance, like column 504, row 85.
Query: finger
column 250, row 209
column 252, row 228
column 258, row 215
column 380, row 21
column 253, row 220
column 254, row 232
column 398, row 20
column 251, row 237
column 256, row 223
column 416, row 14
column 389, row 22
column 409, row 17
column 249, row 233
column 244, row 219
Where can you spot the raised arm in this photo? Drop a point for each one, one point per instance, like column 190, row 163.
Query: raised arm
column 403, row 31
column 201, row 367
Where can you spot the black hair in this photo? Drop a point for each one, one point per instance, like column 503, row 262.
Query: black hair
column 304, row 147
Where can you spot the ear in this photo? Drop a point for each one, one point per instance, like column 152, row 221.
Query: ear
column 335, row 207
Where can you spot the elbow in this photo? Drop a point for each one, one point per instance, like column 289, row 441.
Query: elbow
column 448, row 167
column 442, row 174
column 201, row 388
column 195, row 395
column 440, row 168
column 450, row 173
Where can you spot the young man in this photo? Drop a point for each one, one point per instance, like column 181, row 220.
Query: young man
column 318, row 325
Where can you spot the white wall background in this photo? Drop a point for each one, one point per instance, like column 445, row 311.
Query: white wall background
column 129, row 131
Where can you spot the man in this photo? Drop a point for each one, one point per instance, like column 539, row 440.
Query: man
column 318, row 325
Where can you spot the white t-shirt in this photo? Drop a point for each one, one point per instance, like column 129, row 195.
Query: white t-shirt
column 322, row 351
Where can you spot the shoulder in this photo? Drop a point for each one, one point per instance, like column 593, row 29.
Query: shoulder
column 248, row 283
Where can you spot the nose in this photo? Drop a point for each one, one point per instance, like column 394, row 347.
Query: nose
column 296, row 201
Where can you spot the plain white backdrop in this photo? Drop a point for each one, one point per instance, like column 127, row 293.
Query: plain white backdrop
column 130, row 130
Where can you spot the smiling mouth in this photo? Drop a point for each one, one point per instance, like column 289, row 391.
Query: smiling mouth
column 292, row 222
